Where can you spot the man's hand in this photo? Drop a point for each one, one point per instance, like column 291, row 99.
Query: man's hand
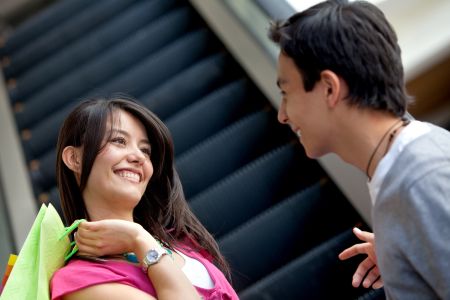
column 367, row 269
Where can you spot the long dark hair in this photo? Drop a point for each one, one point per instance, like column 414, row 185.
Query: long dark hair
column 163, row 209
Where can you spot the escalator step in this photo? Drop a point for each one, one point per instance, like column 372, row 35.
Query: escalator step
column 64, row 34
column 119, row 60
column 318, row 274
column 42, row 22
column 210, row 114
column 88, row 47
column 251, row 189
column 225, row 152
column 191, row 84
column 169, row 60
column 291, row 227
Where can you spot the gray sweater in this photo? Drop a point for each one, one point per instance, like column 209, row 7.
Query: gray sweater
column 411, row 220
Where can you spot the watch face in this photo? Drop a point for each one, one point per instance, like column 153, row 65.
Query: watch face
column 152, row 256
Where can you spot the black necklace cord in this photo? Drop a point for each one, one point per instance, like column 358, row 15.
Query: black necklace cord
column 404, row 122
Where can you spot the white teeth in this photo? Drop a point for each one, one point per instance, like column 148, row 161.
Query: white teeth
column 130, row 175
column 298, row 133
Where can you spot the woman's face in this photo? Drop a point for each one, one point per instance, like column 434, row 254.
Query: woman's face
column 122, row 170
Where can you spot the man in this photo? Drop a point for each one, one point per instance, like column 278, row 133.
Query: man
column 342, row 84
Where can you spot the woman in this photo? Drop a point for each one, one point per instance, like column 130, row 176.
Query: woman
column 115, row 168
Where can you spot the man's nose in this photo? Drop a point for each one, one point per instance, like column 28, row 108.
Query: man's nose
column 282, row 116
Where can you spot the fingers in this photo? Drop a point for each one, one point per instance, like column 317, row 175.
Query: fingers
column 368, row 274
column 354, row 250
column 88, row 240
column 108, row 237
column 89, row 226
column 361, row 272
column 112, row 236
column 348, row 253
column 378, row 284
column 364, row 235
column 91, row 247
column 86, row 236
column 363, row 248
column 85, row 239
column 371, row 277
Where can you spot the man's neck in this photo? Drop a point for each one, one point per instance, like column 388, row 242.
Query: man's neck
column 361, row 133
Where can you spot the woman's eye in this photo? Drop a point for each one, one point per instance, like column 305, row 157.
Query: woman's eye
column 118, row 140
column 146, row 151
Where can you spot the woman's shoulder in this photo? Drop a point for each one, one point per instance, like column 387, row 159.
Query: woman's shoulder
column 79, row 274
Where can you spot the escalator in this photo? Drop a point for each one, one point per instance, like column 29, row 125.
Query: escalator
column 278, row 217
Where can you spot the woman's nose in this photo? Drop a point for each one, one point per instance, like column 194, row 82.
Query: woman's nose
column 136, row 155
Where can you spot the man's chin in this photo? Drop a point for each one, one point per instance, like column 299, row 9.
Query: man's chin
column 310, row 153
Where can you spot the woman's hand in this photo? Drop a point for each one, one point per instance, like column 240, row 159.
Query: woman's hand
column 368, row 268
column 111, row 237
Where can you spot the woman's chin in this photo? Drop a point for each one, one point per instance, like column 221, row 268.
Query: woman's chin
column 129, row 201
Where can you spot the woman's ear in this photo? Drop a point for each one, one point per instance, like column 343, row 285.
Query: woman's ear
column 333, row 87
column 71, row 157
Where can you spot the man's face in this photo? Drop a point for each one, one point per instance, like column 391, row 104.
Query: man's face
column 303, row 111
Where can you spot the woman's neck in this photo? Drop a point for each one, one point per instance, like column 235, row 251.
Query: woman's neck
column 98, row 212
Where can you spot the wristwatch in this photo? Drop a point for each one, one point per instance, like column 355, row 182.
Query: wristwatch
column 152, row 257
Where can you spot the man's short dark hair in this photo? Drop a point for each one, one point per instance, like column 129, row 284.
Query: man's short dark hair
column 355, row 41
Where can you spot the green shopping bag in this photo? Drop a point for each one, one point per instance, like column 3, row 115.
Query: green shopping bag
column 41, row 255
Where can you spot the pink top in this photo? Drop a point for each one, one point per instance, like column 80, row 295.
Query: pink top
column 79, row 274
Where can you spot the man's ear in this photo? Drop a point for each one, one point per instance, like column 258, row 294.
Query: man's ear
column 71, row 157
column 332, row 87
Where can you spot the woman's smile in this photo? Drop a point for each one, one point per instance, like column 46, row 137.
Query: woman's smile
column 129, row 175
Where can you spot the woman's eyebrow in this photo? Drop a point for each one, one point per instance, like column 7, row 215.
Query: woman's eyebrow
column 125, row 133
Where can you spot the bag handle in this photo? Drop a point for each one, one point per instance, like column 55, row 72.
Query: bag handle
column 73, row 248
